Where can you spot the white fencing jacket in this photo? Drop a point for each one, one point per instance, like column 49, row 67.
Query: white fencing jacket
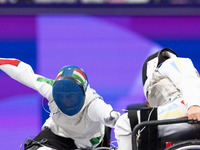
column 186, row 81
column 83, row 127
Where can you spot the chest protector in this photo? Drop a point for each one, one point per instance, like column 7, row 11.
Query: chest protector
column 161, row 90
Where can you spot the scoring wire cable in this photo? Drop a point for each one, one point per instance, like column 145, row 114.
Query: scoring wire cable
column 43, row 106
column 140, row 131
column 28, row 138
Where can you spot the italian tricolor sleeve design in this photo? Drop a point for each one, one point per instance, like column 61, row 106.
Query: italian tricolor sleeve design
column 13, row 62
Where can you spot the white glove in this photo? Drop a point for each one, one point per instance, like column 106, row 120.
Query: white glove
column 111, row 118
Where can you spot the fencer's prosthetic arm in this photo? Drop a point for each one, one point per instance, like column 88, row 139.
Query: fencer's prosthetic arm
column 111, row 118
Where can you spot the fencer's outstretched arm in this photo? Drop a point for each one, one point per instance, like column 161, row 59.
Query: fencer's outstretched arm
column 100, row 111
column 24, row 73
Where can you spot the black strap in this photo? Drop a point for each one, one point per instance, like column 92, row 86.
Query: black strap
column 106, row 139
column 49, row 139
column 31, row 145
column 132, row 115
column 148, row 113
column 149, row 136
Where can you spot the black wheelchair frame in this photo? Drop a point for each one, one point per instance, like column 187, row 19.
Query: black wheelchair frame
column 194, row 143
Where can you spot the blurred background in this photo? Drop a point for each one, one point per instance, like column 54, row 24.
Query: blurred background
column 109, row 39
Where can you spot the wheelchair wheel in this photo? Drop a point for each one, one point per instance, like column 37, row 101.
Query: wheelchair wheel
column 185, row 145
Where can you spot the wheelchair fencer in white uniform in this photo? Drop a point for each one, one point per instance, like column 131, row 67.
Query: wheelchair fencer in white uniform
column 79, row 117
column 171, row 86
